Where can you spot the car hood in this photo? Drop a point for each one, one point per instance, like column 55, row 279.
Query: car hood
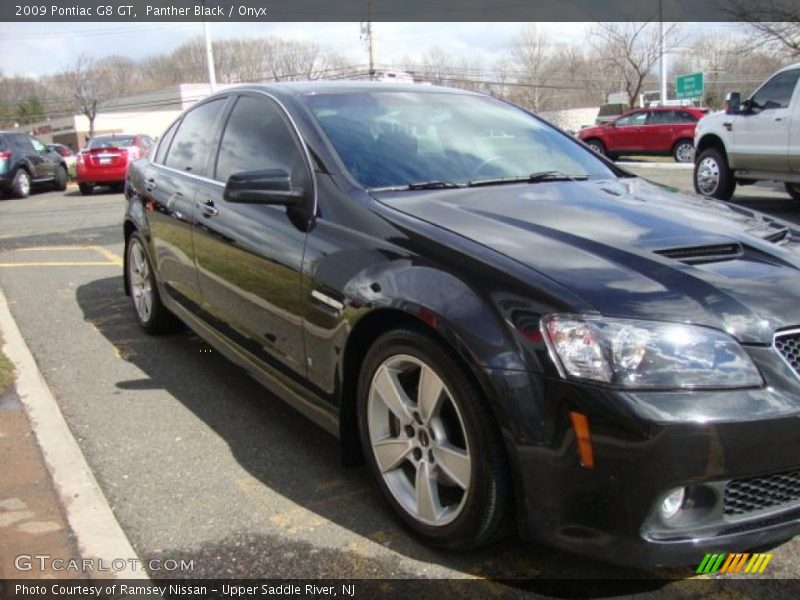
column 633, row 249
column 590, row 131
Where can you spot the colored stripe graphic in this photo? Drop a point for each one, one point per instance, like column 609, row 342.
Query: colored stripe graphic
column 734, row 563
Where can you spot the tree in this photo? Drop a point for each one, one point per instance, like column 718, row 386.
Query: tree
column 775, row 24
column 631, row 51
column 533, row 58
column 85, row 81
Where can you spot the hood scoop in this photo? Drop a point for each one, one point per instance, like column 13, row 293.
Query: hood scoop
column 693, row 255
column 779, row 237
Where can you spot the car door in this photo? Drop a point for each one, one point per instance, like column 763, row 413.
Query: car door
column 24, row 146
column 46, row 168
column 656, row 137
column 171, row 179
column 626, row 133
column 249, row 256
column 761, row 136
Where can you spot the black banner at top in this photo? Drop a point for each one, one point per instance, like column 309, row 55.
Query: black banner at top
column 396, row 10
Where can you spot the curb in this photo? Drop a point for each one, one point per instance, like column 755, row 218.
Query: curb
column 96, row 530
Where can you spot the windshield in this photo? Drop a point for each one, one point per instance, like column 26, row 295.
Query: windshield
column 108, row 141
column 388, row 139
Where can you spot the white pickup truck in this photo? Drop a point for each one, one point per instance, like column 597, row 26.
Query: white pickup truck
column 754, row 140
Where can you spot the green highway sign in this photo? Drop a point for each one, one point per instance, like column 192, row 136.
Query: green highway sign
column 689, row 86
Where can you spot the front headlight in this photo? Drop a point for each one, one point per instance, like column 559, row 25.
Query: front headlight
column 647, row 354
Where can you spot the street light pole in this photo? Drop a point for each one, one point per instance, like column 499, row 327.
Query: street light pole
column 663, row 56
column 212, row 75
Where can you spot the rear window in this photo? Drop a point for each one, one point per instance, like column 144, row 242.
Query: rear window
column 3, row 144
column 108, row 141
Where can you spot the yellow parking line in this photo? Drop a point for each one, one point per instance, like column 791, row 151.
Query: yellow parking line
column 58, row 264
column 112, row 259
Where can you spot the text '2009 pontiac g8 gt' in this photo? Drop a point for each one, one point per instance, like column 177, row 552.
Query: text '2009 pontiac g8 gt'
column 511, row 331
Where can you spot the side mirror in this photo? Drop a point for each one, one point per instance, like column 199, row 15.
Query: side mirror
column 733, row 103
column 268, row 186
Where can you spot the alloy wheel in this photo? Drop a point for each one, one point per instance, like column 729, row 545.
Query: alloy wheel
column 24, row 183
column 684, row 153
column 139, row 277
column 418, row 439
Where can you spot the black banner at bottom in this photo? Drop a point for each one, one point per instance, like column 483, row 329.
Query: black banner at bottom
column 194, row 589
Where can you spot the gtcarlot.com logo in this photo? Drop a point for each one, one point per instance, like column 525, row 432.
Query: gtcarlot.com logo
column 734, row 563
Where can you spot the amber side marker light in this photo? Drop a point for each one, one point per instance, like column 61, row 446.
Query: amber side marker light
column 580, row 426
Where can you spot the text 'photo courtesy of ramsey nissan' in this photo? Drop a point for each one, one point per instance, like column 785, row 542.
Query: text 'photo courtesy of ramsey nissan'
column 387, row 299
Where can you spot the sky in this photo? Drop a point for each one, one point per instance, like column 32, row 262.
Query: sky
column 36, row 49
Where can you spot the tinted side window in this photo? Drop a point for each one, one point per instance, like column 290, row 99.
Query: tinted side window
column 38, row 145
column 777, row 92
column 23, row 143
column 634, row 119
column 163, row 145
column 190, row 148
column 258, row 136
column 661, row 117
column 685, row 117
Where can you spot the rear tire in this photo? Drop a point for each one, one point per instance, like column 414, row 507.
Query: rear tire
column 441, row 463
column 793, row 189
column 61, row 179
column 148, row 309
column 712, row 176
column 87, row 189
column 683, row 151
column 21, row 186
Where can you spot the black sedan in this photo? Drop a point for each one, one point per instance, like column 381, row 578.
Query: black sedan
column 509, row 330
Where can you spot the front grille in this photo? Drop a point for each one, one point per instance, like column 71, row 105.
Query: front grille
column 788, row 346
column 743, row 496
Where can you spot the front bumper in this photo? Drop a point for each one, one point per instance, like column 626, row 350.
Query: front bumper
column 648, row 444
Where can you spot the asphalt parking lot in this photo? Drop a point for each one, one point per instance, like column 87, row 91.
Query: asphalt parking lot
column 199, row 462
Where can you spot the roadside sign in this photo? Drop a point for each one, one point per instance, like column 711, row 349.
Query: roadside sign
column 689, row 86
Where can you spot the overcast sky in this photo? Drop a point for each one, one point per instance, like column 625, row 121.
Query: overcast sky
column 34, row 49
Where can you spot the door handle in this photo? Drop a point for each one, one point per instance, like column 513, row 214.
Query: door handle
column 728, row 125
column 150, row 184
column 779, row 119
column 207, row 208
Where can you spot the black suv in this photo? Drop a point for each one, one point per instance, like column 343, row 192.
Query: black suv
column 26, row 161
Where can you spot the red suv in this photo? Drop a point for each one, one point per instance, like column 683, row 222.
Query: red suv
column 105, row 159
column 662, row 131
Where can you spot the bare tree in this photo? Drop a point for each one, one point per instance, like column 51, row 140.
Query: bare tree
column 532, row 55
column 85, row 81
column 632, row 50
column 775, row 24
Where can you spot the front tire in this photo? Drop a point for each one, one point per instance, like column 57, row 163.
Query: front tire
column 431, row 442
column 21, row 186
column 683, row 151
column 793, row 189
column 148, row 309
column 712, row 176
column 597, row 146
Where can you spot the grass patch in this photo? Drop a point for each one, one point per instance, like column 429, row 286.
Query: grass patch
column 6, row 372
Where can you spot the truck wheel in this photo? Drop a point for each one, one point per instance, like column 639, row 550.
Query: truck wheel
column 21, row 186
column 683, row 151
column 793, row 189
column 712, row 176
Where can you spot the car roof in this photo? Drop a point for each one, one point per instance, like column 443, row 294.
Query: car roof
column 306, row 88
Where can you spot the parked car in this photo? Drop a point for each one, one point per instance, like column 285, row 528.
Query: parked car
column 105, row 160
column 67, row 154
column 26, row 162
column 508, row 329
column 657, row 131
column 752, row 140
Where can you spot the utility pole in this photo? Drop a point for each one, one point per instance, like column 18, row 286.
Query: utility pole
column 369, row 41
column 212, row 75
column 663, row 56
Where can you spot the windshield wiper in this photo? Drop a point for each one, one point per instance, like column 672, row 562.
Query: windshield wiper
column 418, row 185
column 532, row 178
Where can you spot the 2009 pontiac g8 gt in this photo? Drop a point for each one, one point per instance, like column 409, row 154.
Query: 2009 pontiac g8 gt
column 507, row 328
